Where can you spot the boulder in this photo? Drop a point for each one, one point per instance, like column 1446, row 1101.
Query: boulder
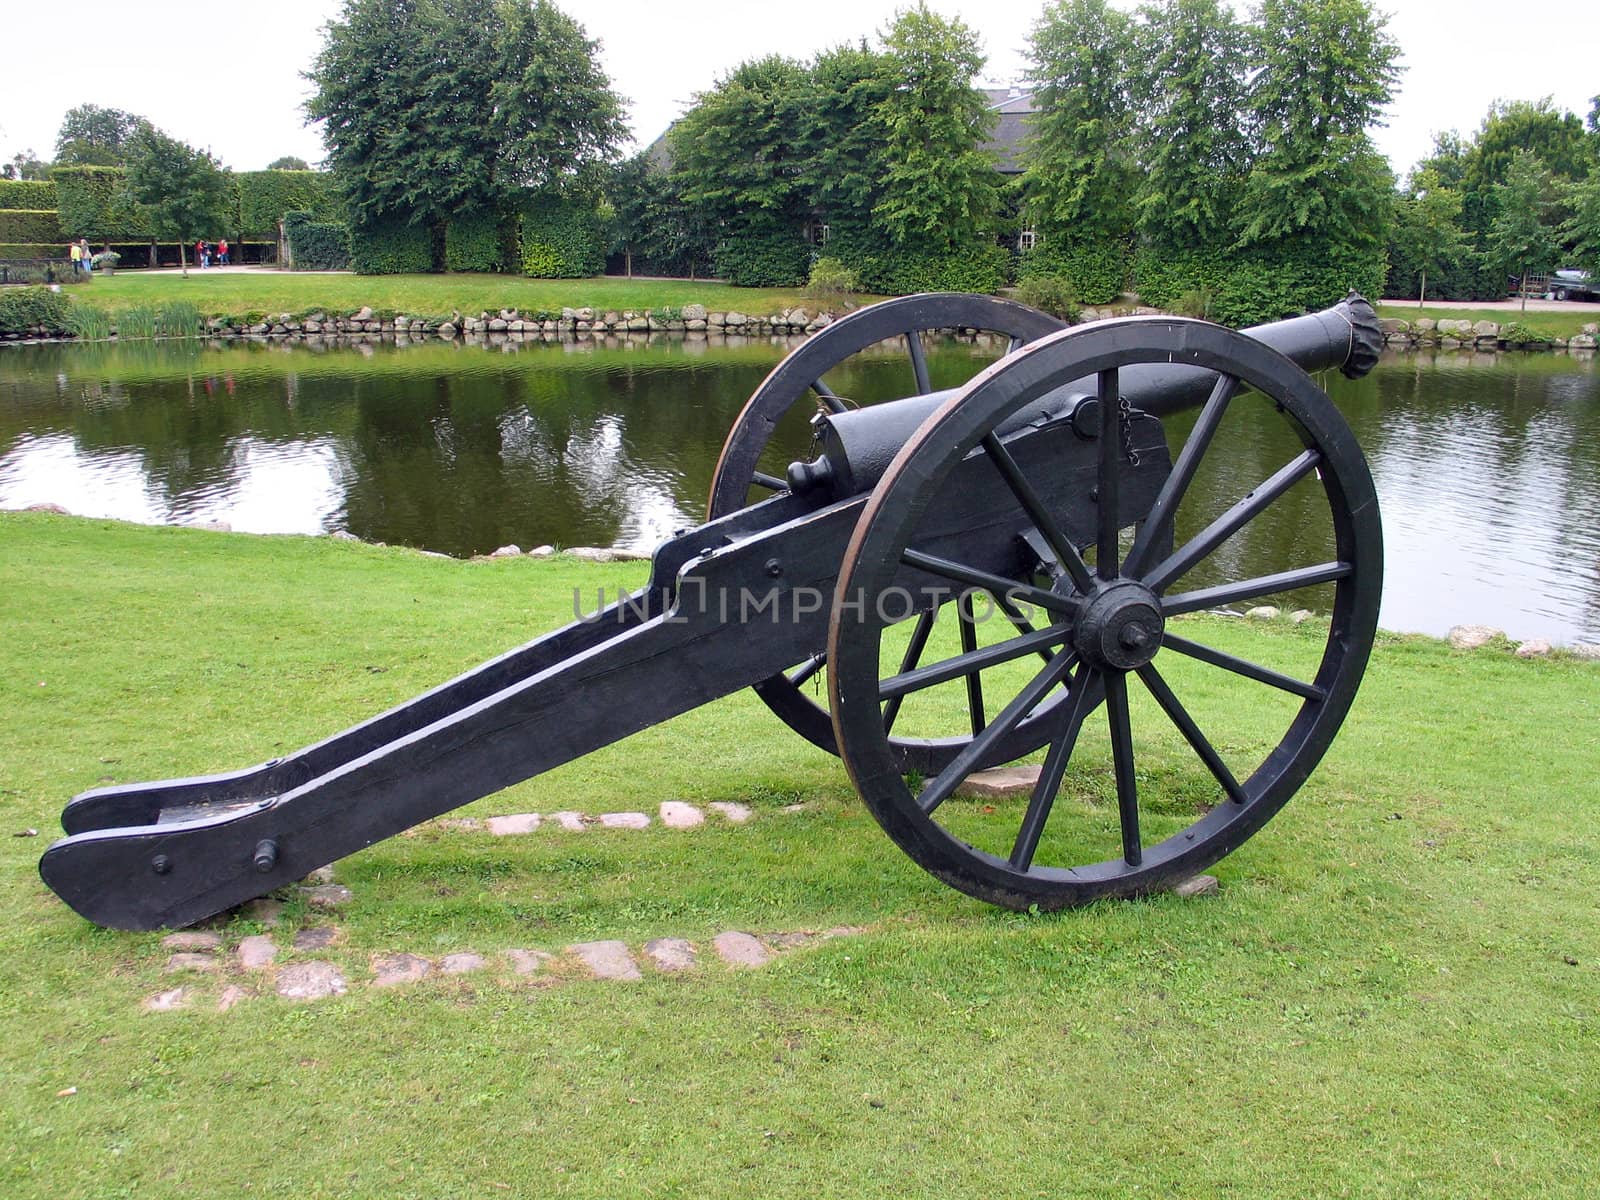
column 1470, row 637
column 694, row 312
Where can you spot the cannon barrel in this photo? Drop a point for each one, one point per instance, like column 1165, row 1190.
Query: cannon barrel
column 858, row 445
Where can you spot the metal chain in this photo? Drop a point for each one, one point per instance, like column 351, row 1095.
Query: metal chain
column 1125, row 419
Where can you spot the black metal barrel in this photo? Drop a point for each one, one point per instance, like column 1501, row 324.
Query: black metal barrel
column 858, row 445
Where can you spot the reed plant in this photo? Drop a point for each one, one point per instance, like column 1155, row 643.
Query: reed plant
column 137, row 320
column 89, row 323
column 178, row 318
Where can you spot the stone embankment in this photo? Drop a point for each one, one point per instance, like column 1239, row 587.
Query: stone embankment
column 1479, row 335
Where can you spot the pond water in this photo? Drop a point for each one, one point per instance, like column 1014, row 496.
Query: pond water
column 1487, row 466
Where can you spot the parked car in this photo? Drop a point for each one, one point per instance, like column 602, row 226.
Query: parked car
column 1573, row 285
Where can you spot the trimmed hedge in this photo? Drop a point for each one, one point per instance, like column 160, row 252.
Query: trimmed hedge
column 93, row 202
column 27, row 193
column 770, row 257
column 983, row 268
column 30, row 225
column 10, row 250
column 392, row 248
column 1256, row 286
column 266, row 197
column 1096, row 272
column 561, row 240
column 316, row 245
column 476, row 242
column 21, row 309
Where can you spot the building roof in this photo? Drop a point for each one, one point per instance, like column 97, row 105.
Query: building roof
column 1014, row 106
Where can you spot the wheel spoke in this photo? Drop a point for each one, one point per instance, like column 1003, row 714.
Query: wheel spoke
column 1250, row 589
column 1022, row 624
column 912, row 656
column 1122, row 765
column 1230, row 522
column 919, row 362
column 975, row 752
column 1105, row 562
column 1241, row 666
column 770, row 482
column 969, row 643
column 997, row 585
column 1180, row 717
column 1055, row 766
column 1032, row 504
column 1177, row 484
column 981, row 659
column 829, row 397
column 807, row 669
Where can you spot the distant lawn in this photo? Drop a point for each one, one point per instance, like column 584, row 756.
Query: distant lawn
column 1394, row 994
column 217, row 293
column 1550, row 324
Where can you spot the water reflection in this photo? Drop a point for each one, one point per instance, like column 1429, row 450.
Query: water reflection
column 1486, row 465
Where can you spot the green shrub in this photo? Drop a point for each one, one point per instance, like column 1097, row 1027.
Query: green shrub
column 1196, row 302
column 1515, row 333
column 316, row 245
column 392, row 248
column 831, row 279
column 267, row 197
column 22, row 309
column 980, row 268
column 178, row 318
column 93, row 202
column 1096, row 272
column 27, row 193
column 561, row 239
column 137, row 320
column 475, row 242
column 1252, row 287
column 1050, row 293
column 763, row 257
column 30, row 225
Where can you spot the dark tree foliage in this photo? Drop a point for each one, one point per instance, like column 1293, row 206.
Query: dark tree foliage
column 91, row 136
column 939, row 191
column 1326, row 69
column 1190, row 78
column 430, row 107
column 1080, row 166
column 848, row 88
column 25, row 164
column 183, row 190
column 652, row 227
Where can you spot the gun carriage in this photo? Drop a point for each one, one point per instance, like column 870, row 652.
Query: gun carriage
column 1043, row 489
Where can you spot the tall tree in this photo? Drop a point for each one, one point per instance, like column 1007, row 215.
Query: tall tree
column 288, row 162
column 1191, row 88
column 435, row 107
column 1582, row 227
column 938, row 188
column 1428, row 225
column 1522, row 239
column 91, row 136
column 740, row 151
column 1326, row 69
column 848, row 88
column 25, row 164
column 1080, row 173
column 184, row 189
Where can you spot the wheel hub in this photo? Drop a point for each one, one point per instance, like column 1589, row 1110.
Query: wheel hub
column 1121, row 627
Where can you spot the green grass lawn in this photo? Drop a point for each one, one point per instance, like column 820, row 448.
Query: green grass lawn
column 1550, row 324
column 1395, row 994
column 216, row 293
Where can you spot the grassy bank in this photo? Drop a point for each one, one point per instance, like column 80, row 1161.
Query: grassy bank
column 1549, row 324
column 217, row 293
column 1393, row 995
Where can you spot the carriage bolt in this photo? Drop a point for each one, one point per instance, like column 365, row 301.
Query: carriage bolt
column 266, row 855
column 774, row 567
column 161, row 864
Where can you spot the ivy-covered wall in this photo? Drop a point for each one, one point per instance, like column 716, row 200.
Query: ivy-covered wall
column 265, row 196
column 93, row 203
column 29, row 225
column 477, row 241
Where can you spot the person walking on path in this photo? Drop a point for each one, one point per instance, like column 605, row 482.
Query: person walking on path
column 87, row 254
column 77, row 259
column 222, row 252
column 200, row 254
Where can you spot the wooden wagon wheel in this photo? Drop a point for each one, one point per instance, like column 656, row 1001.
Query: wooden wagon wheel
column 797, row 383
column 1114, row 620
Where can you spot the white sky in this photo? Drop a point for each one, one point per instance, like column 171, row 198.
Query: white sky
column 228, row 77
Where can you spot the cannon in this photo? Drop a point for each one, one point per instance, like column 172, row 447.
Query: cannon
column 975, row 571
